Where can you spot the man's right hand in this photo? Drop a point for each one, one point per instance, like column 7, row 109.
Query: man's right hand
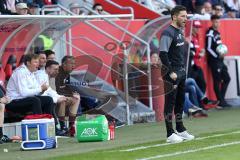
column 5, row 100
column 76, row 95
column 44, row 87
column 202, row 52
column 222, row 56
column 173, row 75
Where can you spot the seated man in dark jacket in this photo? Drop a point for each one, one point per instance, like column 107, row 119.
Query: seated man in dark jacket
column 73, row 100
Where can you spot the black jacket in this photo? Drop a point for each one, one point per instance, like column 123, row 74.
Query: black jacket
column 3, row 7
column 213, row 39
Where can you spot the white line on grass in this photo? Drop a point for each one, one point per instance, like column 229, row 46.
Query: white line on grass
column 165, row 144
column 190, row 151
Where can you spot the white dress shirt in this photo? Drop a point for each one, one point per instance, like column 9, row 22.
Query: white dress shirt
column 22, row 84
column 42, row 77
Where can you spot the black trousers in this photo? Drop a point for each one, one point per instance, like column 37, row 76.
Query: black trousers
column 34, row 105
column 174, row 101
column 221, row 80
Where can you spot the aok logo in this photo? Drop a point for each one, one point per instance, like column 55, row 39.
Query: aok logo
column 89, row 132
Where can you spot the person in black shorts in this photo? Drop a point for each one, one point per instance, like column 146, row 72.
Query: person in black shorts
column 172, row 56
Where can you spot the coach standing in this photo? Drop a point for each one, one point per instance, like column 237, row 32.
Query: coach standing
column 172, row 56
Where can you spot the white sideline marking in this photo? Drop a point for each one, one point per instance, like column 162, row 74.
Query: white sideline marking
column 191, row 151
column 165, row 144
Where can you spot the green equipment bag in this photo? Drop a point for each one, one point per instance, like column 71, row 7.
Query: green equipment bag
column 92, row 128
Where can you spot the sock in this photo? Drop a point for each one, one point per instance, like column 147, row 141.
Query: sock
column 1, row 132
column 169, row 128
column 72, row 121
column 62, row 124
column 180, row 127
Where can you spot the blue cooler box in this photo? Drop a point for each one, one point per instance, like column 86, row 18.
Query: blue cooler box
column 38, row 134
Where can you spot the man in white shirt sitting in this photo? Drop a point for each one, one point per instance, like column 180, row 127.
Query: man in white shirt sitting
column 25, row 92
column 43, row 76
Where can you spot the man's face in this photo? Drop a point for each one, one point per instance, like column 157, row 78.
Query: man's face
column 42, row 60
column 154, row 58
column 23, row 11
column 49, row 32
column 208, row 7
column 99, row 9
column 215, row 23
column 34, row 11
column 52, row 70
column 69, row 65
column 231, row 14
column 51, row 57
column 33, row 65
column 76, row 10
column 180, row 19
column 218, row 10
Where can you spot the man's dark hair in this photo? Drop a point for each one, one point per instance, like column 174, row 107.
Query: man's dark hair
column 30, row 57
column 215, row 6
column 11, row 59
column 51, row 62
column 22, row 59
column 48, row 52
column 41, row 52
column 214, row 17
column 95, row 5
column 65, row 58
column 177, row 9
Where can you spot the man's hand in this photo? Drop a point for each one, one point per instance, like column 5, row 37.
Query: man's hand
column 202, row 52
column 5, row 100
column 62, row 99
column 76, row 95
column 173, row 75
column 44, row 87
column 222, row 56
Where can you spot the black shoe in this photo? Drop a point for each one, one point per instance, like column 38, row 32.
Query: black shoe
column 61, row 132
column 5, row 139
column 224, row 104
column 207, row 101
column 119, row 124
column 209, row 104
column 64, row 129
column 63, row 126
column 200, row 114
